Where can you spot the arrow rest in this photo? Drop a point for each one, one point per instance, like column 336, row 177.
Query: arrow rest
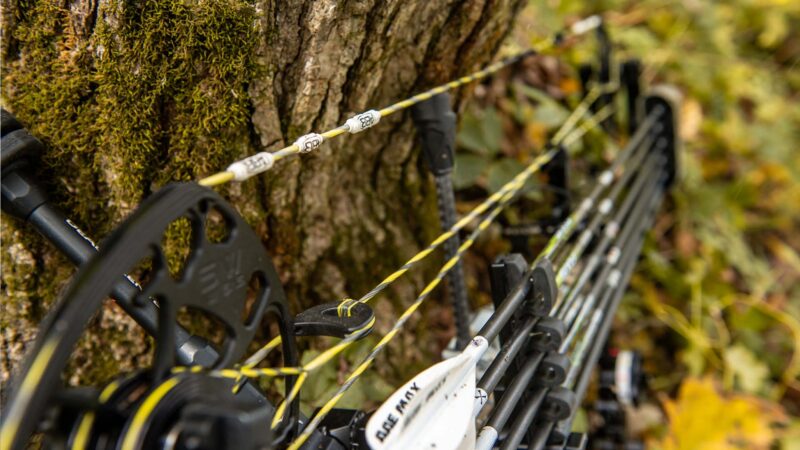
column 324, row 320
column 342, row 429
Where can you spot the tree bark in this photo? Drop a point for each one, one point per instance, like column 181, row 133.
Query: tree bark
column 129, row 96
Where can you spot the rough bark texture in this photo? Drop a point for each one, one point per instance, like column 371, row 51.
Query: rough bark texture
column 129, row 96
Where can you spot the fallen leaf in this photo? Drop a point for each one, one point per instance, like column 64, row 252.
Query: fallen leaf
column 701, row 418
column 749, row 373
column 691, row 118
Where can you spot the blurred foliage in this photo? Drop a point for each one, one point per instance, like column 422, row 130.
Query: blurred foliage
column 717, row 293
column 738, row 420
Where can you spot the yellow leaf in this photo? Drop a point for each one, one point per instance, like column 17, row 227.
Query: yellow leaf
column 786, row 254
column 536, row 134
column 691, row 118
column 775, row 29
column 703, row 419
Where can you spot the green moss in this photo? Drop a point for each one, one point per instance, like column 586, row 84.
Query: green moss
column 157, row 93
column 153, row 92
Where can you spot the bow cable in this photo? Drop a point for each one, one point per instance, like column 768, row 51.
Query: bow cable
column 502, row 197
column 506, row 194
column 565, row 135
column 496, row 197
column 260, row 162
column 517, row 185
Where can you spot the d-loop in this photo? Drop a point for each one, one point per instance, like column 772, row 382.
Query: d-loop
column 159, row 404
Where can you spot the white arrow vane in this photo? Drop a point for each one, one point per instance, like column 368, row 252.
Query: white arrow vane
column 435, row 410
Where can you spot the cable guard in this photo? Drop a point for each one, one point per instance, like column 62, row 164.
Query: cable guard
column 324, row 320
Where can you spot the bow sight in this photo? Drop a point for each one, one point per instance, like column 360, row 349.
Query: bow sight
column 516, row 374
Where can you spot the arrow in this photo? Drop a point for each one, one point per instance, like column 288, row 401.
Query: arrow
column 434, row 410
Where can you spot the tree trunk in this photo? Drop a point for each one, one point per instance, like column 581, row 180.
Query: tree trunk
column 129, row 96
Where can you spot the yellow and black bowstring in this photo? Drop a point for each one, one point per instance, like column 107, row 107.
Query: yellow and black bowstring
column 518, row 183
column 502, row 198
column 498, row 200
column 577, row 29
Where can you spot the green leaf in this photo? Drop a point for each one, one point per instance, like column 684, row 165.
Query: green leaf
column 638, row 40
column 532, row 93
column 470, row 133
column 468, row 169
column 551, row 114
column 481, row 131
column 581, row 422
column 748, row 371
column 492, row 126
column 502, row 171
column 694, row 358
column 548, row 112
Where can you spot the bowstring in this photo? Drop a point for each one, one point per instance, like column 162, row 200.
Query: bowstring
column 507, row 193
column 263, row 161
column 483, row 225
column 567, row 130
column 567, row 134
